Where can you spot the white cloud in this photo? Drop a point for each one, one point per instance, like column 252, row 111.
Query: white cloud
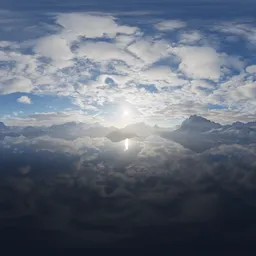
column 55, row 48
column 149, row 51
column 247, row 90
column 251, row 69
column 86, row 49
column 238, row 95
column 201, row 87
column 240, row 29
column 190, row 37
column 92, row 26
column 168, row 25
column 102, row 51
column 160, row 76
column 17, row 84
column 124, row 40
column 231, row 62
column 24, row 100
column 199, row 62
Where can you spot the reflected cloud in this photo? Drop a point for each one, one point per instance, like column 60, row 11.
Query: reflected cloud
column 89, row 186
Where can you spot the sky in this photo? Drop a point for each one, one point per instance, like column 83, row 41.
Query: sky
column 121, row 62
column 114, row 63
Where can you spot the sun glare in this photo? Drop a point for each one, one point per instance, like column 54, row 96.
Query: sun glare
column 126, row 144
column 126, row 113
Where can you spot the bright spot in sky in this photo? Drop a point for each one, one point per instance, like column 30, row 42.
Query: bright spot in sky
column 126, row 113
column 126, row 144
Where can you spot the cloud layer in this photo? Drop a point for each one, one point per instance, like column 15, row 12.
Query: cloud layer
column 99, row 60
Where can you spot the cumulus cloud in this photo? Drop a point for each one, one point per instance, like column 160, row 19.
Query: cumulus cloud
column 55, row 48
column 102, row 51
column 24, row 100
column 251, row 69
column 190, row 37
column 17, row 84
column 201, row 87
column 234, row 92
column 92, row 26
column 199, row 62
column 244, row 30
column 247, row 91
column 161, row 76
column 149, row 51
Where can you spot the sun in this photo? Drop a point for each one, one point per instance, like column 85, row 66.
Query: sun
column 126, row 113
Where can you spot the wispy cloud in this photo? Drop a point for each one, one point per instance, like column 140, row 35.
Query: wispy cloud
column 168, row 25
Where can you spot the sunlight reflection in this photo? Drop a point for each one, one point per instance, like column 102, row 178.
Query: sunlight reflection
column 126, row 144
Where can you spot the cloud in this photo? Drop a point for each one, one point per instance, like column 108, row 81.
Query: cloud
column 234, row 92
column 190, row 37
column 92, row 26
column 169, row 25
column 102, row 63
column 199, row 62
column 22, row 185
column 25, row 170
column 201, row 87
column 55, row 48
column 102, row 51
column 246, row 91
column 163, row 178
column 17, row 84
column 50, row 118
column 24, row 100
column 245, row 30
column 149, row 51
column 251, row 69
column 96, row 59
column 160, row 76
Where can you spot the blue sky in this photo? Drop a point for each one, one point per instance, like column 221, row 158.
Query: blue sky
column 118, row 62
column 39, row 103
